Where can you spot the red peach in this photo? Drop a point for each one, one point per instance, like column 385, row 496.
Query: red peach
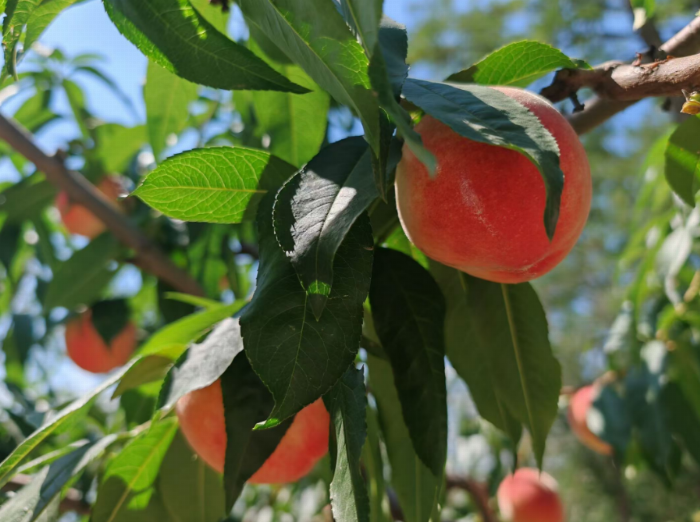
column 579, row 406
column 79, row 220
column 201, row 415
column 530, row 496
column 88, row 350
column 483, row 212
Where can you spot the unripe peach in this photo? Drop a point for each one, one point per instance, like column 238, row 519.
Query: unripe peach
column 530, row 496
column 87, row 348
column 483, row 212
column 579, row 406
column 201, row 415
column 79, row 220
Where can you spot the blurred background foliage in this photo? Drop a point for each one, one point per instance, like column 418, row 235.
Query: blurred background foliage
column 619, row 274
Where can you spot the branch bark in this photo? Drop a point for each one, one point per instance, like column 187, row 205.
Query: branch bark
column 478, row 493
column 150, row 257
column 636, row 82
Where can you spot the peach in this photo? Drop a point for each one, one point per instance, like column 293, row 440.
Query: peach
column 79, row 220
column 201, row 415
column 88, row 349
column 579, row 406
column 530, row 496
column 483, row 212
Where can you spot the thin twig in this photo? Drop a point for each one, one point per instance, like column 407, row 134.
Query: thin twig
column 151, row 259
column 478, row 493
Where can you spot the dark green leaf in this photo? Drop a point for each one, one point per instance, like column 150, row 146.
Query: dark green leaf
column 517, row 64
column 409, row 314
column 215, row 185
column 167, row 98
column 314, row 35
column 472, row 359
column 246, row 403
column 417, row 488
column 488, row 116
column 364, row 17
column 203, row 363
column 36, row 498
column 346, row 402
column 682, row 418
column 64, row 419
column 27, row 198
column 213, row 13
column 498, row 342
column 297, row 357
column 374, row 468
column 315, row 209
column 10, row 235
column 109, row 317
column 683, row 160
column 615, row 429
column 643, row 394
column 82, row 278
column 190, row 488
column 173, row 34
column 129, row 481
column 176, row 336
column 41, row 17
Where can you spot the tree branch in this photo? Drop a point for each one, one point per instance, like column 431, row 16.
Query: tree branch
column 635, row 82
column 150, row 258
column 478, row 493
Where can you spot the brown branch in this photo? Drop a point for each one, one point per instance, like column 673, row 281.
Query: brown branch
column 478, row 493
column 621, row 82
column 72, row 500
column 684, row 44
column 151, row 259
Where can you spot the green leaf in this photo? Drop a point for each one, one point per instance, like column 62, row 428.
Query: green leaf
column 117, row 145
column 616, row 429
column 194, row 300
column 246, row 403
column 643, row 387
column 76, row 100
column 191, row 490
column 35, row 499
column 35, row 113
column 144, row 370
column 315, row 209
column 42, row 17
column 498, row 342
column 297, row 357
column 517, row 64
column 364, row 17
column 215, row 185
column 213, row 14
column 346, row 402
column 485, row 115
column 683, row 160
column 82, row 278
column 314, row 35
column 167, row 98
column 27, row 198
column 173, row 34
column 17, row 12
column 643, row 10
column 409, row 314
column 128, row 482
column 177, row 335
column 417, row 488
column 296, row 124
column 472, row 361
column 682, row 418
column 203, row 363
column 66, row 418
column 374, row 467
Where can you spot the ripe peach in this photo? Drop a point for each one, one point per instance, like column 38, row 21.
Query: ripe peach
column 483, row 212
column 79, row 220
column 201, row 415
column 579, row 406
column 88, row 350
column 530, row 496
